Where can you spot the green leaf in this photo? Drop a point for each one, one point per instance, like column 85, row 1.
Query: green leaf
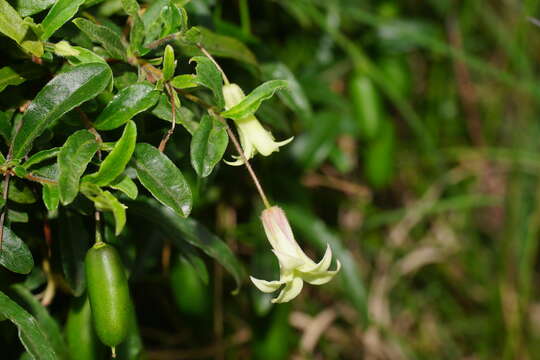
column 20, row 193
column 126, row 104
column 31, row 7
column 107, row 38
column 30, row 332
column 74, row 243
column 316, row 232
column 184, row 116
column 115, row 163
column 11, row 24
column 84, row 56
column 60, row 13
column 137, row 32
column 209, row 76
column 169, row 63
column 73, row 159
column 66, row 91
column 185, row 81
column 215, row 44
column 15, row 255
column 8, row 77
column 295, row 98
column 250, row 104
column 41, row 156
column 50, row 194
column 208, row 145
column 126, row 185
column 51, row 328
column 179, row 229
column 105, row 201
column 14, row 27
column 162, row 178
column 5, row 126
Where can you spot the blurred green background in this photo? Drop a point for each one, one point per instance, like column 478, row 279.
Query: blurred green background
column 416, row 157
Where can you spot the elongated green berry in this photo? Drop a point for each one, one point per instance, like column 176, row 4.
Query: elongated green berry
column 81, row 337
column 108, row 293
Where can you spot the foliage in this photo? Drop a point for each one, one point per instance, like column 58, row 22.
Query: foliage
column 414, row 158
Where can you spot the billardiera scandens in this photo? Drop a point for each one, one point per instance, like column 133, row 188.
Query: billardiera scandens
column 295, row 266
column 253, row 137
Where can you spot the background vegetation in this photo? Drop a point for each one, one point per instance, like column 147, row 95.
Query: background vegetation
column 415, row 157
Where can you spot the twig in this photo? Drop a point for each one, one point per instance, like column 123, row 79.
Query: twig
column 7, row 176
column 5, row 185
column 212, row 110
column 248, row 166
column 207, row 54
column 166, row 39
column 165, row 139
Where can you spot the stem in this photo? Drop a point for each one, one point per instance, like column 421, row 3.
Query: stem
column 248, row 166
column 207, row 54
column 165, row 139
column 97, row 216
column 245, row 21
column 7, row 176
column 235, row 141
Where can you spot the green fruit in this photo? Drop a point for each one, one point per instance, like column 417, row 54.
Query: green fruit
column 366, row 105
column 81, row 337
column 380, row 158
column 190, row 294
column 108, row 293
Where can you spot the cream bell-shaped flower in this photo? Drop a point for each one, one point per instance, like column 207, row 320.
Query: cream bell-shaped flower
column 253, row 137
column 294, row 265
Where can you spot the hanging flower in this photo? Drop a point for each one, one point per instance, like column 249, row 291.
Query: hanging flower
column 253, row 137
column 294, row 265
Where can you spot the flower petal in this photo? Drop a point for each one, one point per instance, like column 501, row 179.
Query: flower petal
column 322, row 265
column 290, row 291
column 266, row 286
column 287, row 261
column 321, row 277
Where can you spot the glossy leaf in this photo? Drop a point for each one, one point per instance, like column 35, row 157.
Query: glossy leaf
column 15, row 255
column 208, row 145
column 184, row 116
column 51, row 328
column 169, row 63
column 124, row 184
column 209, row 76
column 104, row 36
column 179, row 229
column 295, row 98
column 60, row 13
column 137, row 32
column 8, row 77
column 105, row 201
column 115, row 163
column 66, row 91
column 74, row 243
column 126, row 104
column 41, row 156
column 162, row 178
column 184, row 81
column 51, row 196
column 251, row 102
column 14, row 27
column 73, row 159
column 215, row 44
column 31, row 7
column 31, row 333
column 20, row 193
